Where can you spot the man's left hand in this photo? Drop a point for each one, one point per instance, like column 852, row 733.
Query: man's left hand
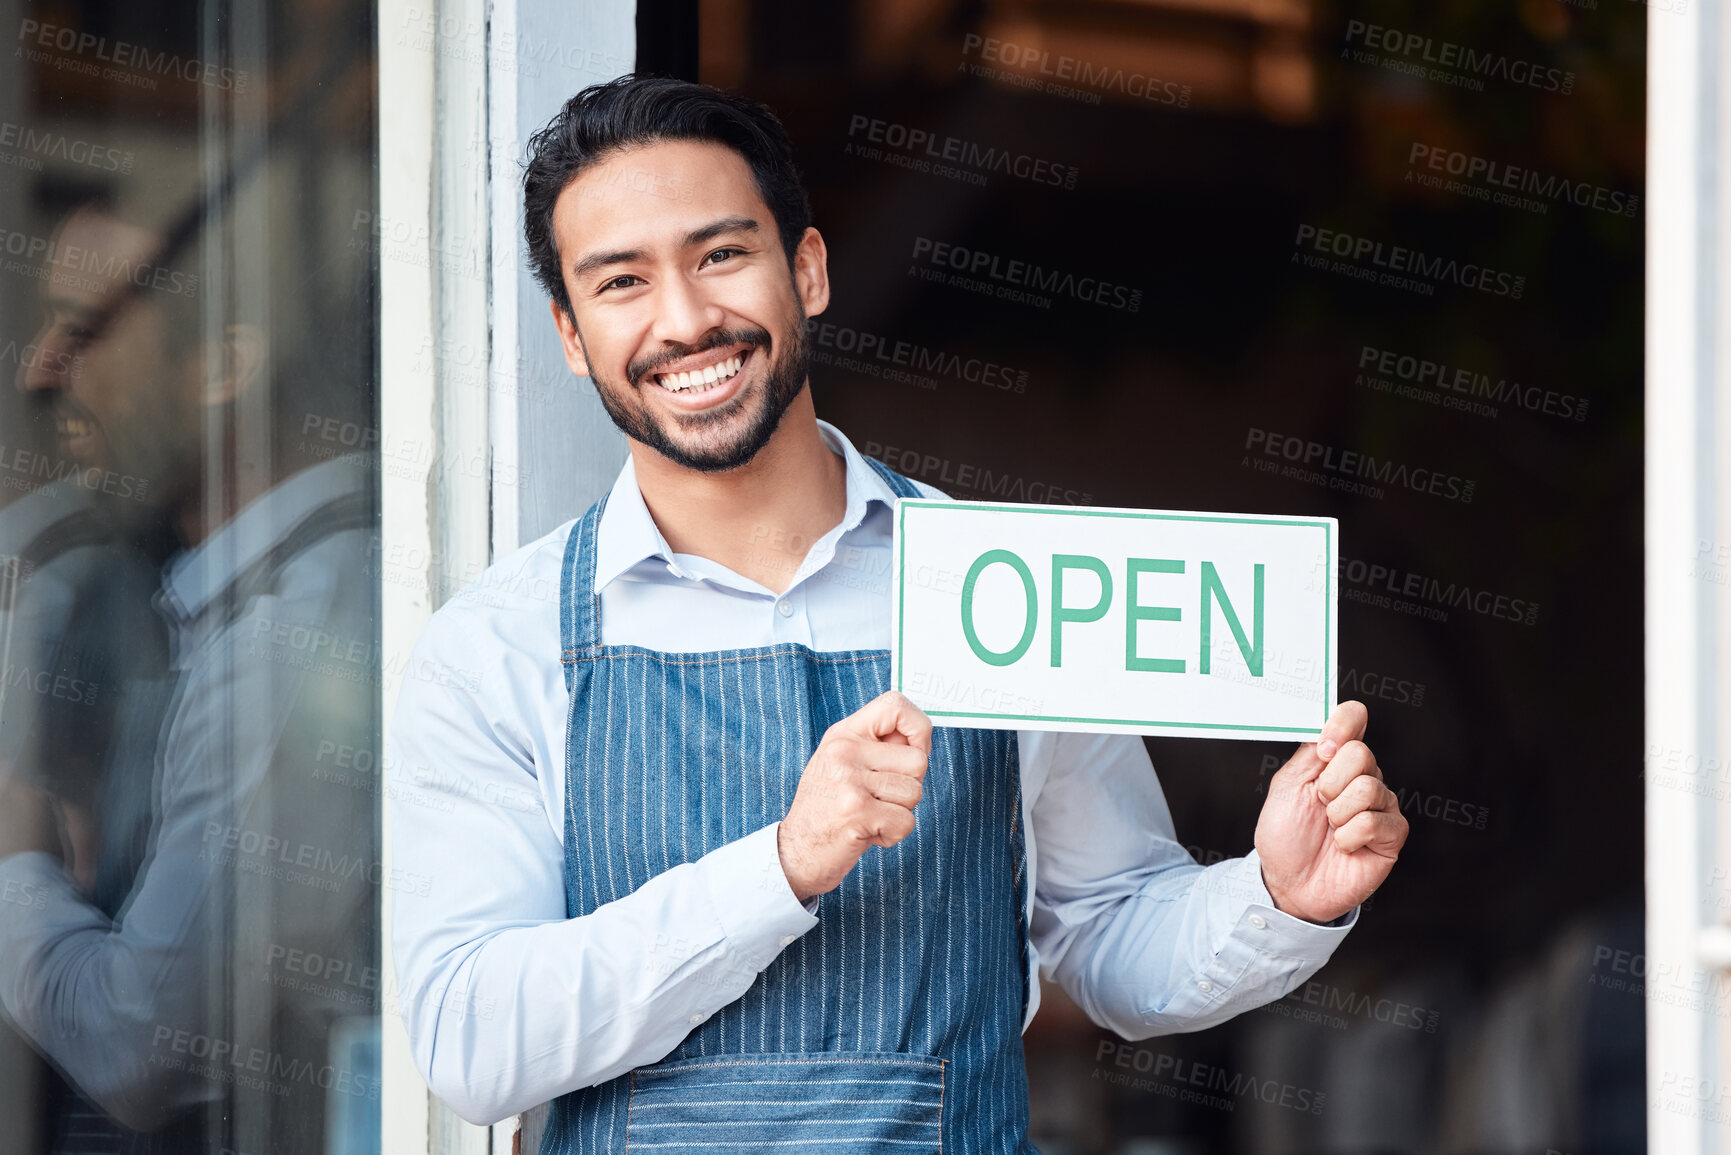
column 1330, row 830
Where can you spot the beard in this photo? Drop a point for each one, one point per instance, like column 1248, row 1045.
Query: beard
column 732, row 433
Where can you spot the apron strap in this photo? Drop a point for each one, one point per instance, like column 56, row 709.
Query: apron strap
column 901, row 485
column 579, row 604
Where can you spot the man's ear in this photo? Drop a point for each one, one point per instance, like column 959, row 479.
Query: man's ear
column 568, row 338
column 811, row 272
column 230, row 367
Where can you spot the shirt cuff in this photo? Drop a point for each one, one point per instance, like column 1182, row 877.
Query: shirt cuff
column 752, row 901
column 1270, row 929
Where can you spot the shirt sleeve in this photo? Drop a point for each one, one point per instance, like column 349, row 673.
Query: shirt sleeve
column 1145, row 940
column 507, row 1001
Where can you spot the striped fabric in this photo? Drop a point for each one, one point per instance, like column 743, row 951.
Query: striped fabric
column 895, row 1023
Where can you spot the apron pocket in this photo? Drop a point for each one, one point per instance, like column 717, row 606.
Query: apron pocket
column 851, row 1101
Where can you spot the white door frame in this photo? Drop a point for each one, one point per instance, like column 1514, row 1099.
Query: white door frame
column 1688, row 563
column 488, row 440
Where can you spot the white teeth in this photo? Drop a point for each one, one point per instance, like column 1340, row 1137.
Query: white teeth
column 701, row 380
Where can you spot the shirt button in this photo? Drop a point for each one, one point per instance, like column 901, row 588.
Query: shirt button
column 1257, row 921
column 1204, row 986
column 787, row 939
column 695, row 1019
column 785, row 609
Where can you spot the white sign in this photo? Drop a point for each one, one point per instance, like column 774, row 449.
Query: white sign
column 1050, row 617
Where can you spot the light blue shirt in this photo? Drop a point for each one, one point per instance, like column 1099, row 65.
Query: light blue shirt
column 508, row 1003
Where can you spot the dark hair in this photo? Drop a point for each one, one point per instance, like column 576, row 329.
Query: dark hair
column 636, row 110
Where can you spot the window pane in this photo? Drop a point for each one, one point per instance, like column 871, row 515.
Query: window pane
column 189, row 664
column 1372, row 261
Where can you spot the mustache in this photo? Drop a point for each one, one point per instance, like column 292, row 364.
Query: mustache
column 54, row 404
column 637, row 370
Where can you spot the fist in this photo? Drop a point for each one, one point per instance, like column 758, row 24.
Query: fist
column 858, row 791
column 1331, row 829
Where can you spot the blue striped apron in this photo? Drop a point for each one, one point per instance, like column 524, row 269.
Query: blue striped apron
column 894, row 1025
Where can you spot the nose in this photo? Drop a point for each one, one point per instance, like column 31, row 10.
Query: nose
column 685, row 312
column 49, row 364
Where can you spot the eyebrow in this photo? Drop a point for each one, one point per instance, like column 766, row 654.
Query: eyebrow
column 595, row 261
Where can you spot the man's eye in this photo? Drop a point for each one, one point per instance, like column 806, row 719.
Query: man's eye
column 720, row 255
column 623, row 281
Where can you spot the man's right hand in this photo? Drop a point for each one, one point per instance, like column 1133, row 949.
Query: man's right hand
column 858, row 791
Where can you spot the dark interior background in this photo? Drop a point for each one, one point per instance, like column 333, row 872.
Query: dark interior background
column 1482, row 1004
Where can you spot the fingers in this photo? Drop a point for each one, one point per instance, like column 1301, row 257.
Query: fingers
column 1346, row 724
column 1354, row 760
column 888, row 824
column 898, row 789
column 1361, row 794
column 1381, row 831
column 890, row 717
column 908, row 761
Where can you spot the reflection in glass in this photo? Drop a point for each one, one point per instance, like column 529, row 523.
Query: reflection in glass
column 189, row 663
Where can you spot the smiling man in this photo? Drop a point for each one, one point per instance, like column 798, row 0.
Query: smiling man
column 692, row 873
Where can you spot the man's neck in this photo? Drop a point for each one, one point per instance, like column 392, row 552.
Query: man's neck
column 192, row 514
column 761, row 519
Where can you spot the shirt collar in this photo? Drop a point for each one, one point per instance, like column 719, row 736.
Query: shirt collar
column 628, row 536
column 197, row 576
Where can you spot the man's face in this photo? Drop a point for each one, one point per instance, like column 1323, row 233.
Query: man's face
column 118, row 398
column 685, row 313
